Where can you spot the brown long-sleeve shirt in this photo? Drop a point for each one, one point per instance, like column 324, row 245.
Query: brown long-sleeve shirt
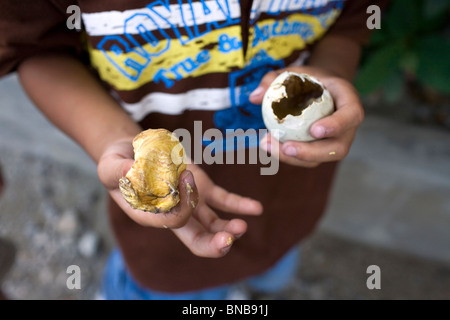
column 175, row 66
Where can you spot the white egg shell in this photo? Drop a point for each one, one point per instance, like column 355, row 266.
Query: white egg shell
column 294, row 127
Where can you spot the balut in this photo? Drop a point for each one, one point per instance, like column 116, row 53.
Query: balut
column 152, row 182
column 292, row 103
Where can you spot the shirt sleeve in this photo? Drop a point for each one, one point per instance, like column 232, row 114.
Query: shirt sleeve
column 30, row 27
column 352, row 23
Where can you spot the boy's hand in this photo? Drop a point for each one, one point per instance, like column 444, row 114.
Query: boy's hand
column 193, row 220
column 335, row 132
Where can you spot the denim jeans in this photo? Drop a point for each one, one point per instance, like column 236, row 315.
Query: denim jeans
column 119, row 285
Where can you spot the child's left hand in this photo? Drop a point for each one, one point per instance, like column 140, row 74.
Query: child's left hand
column 335, row 132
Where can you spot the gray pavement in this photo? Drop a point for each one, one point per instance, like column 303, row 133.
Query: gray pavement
column 391, row 201
column 393, row 189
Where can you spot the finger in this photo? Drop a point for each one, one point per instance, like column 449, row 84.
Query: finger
column 115, row 163
column 143, row 218
column 202, row 242
column 211, row 222
column 188, row 200
column 111, row 168
column 257, row 95
column 221, row 199
column 274, row 147
column 175, row 218
column 349, row 112
column 326, row 150
column 188, row 189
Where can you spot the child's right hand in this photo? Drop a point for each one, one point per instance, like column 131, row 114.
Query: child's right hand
column 197, row 226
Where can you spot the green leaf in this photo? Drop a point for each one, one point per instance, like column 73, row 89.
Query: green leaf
column 394, row 87
column 403, row 17
column 435, row 16
column 409, row 62
column 377, row 67
column 379, row 37
column 434, row 62
column 433, row 8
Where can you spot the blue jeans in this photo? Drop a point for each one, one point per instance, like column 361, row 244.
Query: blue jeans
column 119, row 285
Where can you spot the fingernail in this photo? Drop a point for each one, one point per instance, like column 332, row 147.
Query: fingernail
column 290, row 151
column 318, row 132
column 189, row 181
column 238, row 235
column 257, row 92
column 229, row 244
column 226, row 249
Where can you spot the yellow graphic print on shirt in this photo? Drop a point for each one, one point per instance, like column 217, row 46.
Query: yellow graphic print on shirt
column 146, row 54
column 168, row 41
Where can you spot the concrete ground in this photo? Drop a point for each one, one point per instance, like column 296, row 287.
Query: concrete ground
column 390, row 207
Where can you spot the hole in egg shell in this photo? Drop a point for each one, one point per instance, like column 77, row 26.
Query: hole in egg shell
column 300, row 94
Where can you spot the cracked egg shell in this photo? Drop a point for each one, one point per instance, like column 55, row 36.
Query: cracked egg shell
column 152, row 182
column 292, row 103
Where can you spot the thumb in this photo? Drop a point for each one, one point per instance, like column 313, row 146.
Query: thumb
column 256, row 97
column 188, row 190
